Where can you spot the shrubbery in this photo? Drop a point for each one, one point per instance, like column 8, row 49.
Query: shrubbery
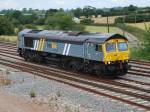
column 30, row 26
column 87, row 21
column 62, row 21
column 6, row 27
column 143, row 53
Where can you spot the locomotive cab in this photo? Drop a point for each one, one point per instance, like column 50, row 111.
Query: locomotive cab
column 116, row 50
column 116, row 54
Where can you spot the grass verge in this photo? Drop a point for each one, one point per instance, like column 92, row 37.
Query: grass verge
column 139, row 25
column 139, row 33
column 5, row 38
column 140, row 55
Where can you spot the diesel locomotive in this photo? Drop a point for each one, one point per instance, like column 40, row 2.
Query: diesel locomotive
column 96, row 53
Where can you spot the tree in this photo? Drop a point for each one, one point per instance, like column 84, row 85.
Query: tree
column 6, row 26
column 28, row 19
column 50, row 12
column 15, row 14
column 132, row 8
column 77, row 12
column 40, row 21
column 99, row 12
column 62, row 21
column 24, row 10
column 15, row 17
column 30, row 26
column 89, row 11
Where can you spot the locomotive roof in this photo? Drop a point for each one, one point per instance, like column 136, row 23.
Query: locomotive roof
column 80, row 37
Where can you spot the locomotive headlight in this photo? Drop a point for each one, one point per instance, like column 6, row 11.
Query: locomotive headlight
column 109, row 62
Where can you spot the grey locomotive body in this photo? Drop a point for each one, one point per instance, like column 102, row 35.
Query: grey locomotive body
column 78, row 51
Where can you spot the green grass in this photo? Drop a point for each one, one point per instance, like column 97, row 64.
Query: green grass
column 140, row 25
column 102, row 29
column 139, row 33
column 138, row 54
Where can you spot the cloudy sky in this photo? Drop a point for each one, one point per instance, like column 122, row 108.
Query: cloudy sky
column 68, row 4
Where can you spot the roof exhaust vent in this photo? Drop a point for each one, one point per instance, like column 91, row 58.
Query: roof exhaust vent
column 34, row 31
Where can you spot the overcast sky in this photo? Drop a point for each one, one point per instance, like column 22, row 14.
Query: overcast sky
column 68, row 4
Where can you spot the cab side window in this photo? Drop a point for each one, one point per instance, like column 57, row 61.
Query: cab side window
column 28, row 42
column 52, row 45
column 98, row 48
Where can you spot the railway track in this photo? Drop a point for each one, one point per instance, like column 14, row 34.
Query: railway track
column 140, row 62
column 102, row 88
column 122, row 78
column 126, row 90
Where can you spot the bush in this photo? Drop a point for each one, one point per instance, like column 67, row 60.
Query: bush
column 87, row 21
column 78, row 27
column 40, row 21
column 6, row 27
column 62, row 21
column 19, row 28
column 30, row 26
column 143, row 53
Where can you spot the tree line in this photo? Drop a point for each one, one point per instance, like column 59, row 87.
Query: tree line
column 13, row 21
column 133, row 18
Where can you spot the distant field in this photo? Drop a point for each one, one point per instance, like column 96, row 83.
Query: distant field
column 103, row 20
column 8, row 38
column 102, row 29
column 140, row 25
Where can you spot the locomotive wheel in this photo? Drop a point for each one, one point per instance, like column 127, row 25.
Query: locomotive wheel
column 63, row 63
column 20, row 53
column 27, row 56
column 88, row 69
column 124, row 72
column 38, row 58
column 75, row 65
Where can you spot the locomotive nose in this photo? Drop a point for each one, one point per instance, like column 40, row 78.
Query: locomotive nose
column 116, row 57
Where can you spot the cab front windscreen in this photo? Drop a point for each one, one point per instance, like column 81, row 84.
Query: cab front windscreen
column 122, row 46
column 110, row 47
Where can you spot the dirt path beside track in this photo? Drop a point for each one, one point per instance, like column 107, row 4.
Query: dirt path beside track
column 12, row 103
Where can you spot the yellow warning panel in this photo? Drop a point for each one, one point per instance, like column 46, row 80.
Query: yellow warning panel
column 40, row 43
column 43, row 43
column 54, row 45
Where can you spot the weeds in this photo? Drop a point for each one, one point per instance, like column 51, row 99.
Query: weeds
column 32, row 94
column 59, row 94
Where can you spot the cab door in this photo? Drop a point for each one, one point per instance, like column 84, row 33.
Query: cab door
column 94, row 51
